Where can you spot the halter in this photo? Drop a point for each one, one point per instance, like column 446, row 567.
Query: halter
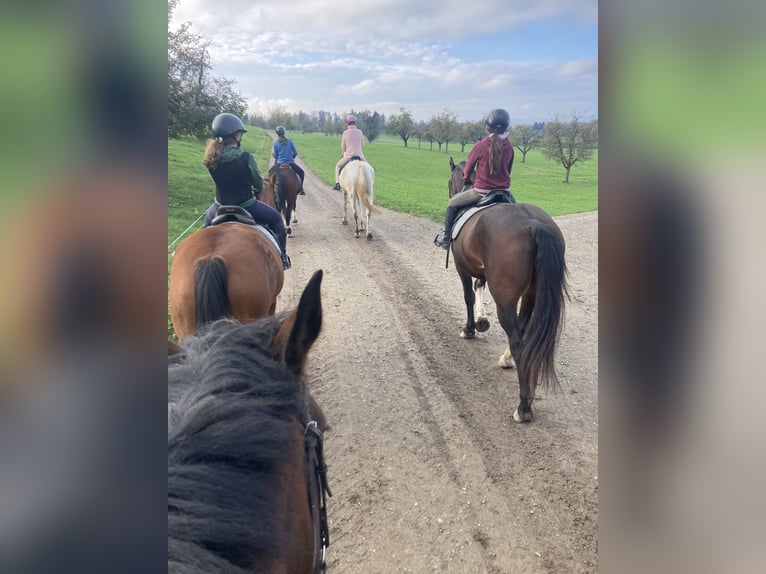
column 318, row 491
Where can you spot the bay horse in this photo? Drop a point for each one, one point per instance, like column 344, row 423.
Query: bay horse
column 517, row 251
column 247, row 481
column 230, row 269
column 286, row 185
column 357, row 182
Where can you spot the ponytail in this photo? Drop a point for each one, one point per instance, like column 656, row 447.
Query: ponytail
column 495, row 154
column 213, row 153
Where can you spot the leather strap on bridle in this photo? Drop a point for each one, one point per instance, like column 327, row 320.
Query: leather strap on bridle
column 316, row 477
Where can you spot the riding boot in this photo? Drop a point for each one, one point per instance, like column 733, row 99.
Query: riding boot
column 301, row 192
column 286, row 263
column 449, row 219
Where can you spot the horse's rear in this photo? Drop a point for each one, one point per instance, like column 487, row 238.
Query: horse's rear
column 518, row 250
column 225, row 270
column 357, row 181
column 286, row 185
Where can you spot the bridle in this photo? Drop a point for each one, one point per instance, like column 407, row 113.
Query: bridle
column 318, row 491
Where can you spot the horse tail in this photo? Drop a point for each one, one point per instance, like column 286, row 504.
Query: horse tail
column 279, row 191
column 364, row 185
column 544, row 328
column 211, row 297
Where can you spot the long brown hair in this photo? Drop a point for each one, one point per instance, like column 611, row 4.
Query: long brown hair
column 214, row 151
column 495, row 153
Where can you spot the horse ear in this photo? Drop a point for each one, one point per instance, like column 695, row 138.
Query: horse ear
column 301, row 328
column 451, row 163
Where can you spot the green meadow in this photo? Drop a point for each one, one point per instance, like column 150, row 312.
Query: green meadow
column 407, row 179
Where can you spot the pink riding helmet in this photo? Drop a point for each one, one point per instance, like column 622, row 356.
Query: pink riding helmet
column 351, row 119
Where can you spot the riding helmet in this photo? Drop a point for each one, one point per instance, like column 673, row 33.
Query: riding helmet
column 280, row 131
column 351, row 119
column 498, row 121
column 226, row 125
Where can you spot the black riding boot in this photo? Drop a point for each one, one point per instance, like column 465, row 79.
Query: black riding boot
column 449, row 219
column 286, row 263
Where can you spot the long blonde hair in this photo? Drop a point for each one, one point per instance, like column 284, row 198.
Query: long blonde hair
column 495, row 153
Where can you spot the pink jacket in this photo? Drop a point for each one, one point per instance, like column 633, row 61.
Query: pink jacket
column 352, row 142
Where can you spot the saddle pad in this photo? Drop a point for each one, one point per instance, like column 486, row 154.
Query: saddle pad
column 263, row 230
column 465, row 216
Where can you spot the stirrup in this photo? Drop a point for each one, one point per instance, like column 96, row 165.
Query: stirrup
column 441, row 240
column 286, row 263
column 336, row 187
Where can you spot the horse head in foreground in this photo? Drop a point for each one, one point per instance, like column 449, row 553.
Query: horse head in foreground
column 357, row 182
column 246, row 475
column 517, row 250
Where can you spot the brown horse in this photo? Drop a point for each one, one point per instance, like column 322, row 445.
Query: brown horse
column 267, row 195
column 231, row 270
column 286, row 185
column 247, row 482
column 517, row 251
column 357, row 182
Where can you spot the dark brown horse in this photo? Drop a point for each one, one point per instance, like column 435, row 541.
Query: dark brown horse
column 247, row 483
column 286, row 185
column 517, row 251
column 230, row 270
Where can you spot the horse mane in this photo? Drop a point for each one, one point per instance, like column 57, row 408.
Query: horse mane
column 231, row 411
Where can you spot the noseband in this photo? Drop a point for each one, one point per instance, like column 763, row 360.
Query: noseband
column 316, row 478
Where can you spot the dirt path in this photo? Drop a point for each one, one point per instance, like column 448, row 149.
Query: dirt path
column 428, row 471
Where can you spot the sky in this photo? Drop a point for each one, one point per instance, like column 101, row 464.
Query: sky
column 535, row 58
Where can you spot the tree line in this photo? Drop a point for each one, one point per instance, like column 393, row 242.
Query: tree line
column 564, row 141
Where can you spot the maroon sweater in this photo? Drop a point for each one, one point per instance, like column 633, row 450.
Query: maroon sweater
column 479, row 159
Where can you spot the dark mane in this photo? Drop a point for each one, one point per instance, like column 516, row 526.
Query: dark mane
column 231, row 410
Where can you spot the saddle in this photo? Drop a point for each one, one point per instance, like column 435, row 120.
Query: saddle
column 237, row 214
column 232, row 214
column 491, row 198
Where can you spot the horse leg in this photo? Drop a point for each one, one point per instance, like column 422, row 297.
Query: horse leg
column 367, row 226
column 356, row 216
column 525, row 313
column 506, row 314
column 482, row 323
column 345, row 208
column 469, row 331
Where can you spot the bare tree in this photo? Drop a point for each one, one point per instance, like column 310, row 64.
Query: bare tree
column 524, row 138
column 568, row 142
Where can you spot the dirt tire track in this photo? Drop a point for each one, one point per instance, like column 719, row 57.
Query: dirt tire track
column 428, row 470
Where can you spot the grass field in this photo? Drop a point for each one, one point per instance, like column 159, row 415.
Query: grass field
column 406, row 179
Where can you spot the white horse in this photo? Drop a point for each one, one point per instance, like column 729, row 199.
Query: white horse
column 357, row 180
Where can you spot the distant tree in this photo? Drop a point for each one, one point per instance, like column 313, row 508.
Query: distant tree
column 401, row 125
column 569, row 142
column 445, row 128
column 524, row 138
column 429, row 133
column 470, row 132
column 371, row 123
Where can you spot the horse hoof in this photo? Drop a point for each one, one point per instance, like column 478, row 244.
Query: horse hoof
column 344, row 222
column 506, row 361
column 519, row 419
column 467, row 334
column 482, row 324
column 369, row 237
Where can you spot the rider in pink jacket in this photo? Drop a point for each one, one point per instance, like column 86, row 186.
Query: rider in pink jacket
column 351, row 144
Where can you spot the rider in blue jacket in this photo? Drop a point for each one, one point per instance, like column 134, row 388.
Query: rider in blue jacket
column 284, row 151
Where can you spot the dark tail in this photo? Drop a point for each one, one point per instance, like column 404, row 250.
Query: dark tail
column 211, row 298
column 544, row 328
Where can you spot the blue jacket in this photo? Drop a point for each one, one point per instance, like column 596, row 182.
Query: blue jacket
column 284, row 151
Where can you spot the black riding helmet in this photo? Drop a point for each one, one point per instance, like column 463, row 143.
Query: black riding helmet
column 226, row 125
column 280, row 131
column 498, row 121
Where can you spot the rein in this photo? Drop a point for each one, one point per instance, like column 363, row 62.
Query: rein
column 316, row 476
